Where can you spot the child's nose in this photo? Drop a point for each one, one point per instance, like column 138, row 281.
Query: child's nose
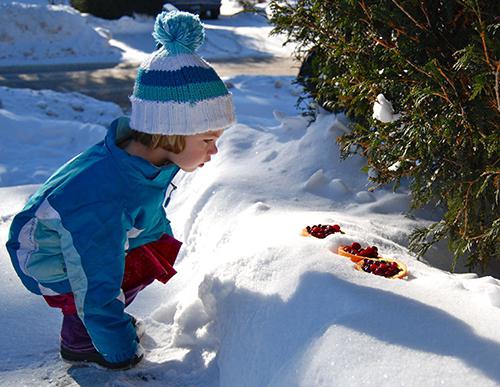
column 213, row 149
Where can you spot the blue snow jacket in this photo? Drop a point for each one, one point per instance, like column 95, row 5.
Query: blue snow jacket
column 73, row 234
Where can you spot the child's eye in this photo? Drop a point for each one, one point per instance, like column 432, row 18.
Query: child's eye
column 208, row 141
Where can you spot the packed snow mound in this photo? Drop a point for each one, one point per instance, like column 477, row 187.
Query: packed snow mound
column 48, row 104
column 255, row 303
column 44, row 34
column 129, row 25
column 57, row 127
column 32, row 32
column 40, row 2
column 279, row 309
column 231, row 36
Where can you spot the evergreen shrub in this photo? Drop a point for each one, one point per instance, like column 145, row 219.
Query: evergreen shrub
column 438, row 62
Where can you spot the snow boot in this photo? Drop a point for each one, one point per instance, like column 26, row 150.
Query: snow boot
column 95, row 358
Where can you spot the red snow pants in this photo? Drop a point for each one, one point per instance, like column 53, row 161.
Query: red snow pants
column 143, row 265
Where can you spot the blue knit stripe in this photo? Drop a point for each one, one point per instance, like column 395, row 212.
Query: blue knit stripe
column 190, row 93
column 181, row 77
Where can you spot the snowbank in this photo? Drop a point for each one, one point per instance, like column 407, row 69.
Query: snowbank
column 254, row 302
column 41, row 34
column 46, row 34
column 57, row 127
column 237, row 36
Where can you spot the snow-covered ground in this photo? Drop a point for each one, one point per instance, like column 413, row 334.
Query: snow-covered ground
column 32, row 34
column 254, row 302
column 72, row 38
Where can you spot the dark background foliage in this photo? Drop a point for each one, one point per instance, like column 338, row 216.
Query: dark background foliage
column 439, row 63
column 115, row 9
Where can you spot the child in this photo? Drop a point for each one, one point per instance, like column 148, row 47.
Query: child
column 95, row 233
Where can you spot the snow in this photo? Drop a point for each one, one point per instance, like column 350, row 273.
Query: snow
column 383, row 111
column 254, row 302
column 58, row 125
column 67, row 38
column 70, row 38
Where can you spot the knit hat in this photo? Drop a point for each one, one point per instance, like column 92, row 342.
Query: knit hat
column 177, row 91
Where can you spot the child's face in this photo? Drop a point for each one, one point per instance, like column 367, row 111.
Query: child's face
column 198, row 151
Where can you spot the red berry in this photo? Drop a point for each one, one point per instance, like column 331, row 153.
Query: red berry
column 356, row 246
column 336, row 228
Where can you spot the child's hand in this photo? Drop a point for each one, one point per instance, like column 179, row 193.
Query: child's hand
column 154, row 260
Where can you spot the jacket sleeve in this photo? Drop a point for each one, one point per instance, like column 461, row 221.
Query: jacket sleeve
column 92, row 242
column 153, row 233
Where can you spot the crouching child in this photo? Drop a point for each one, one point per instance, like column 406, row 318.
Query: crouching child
column 96, row 233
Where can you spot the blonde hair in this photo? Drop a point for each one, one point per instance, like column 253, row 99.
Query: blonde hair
column 174, row 143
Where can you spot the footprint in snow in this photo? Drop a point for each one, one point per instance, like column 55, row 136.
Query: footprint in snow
column 270, row 156
column 488, row 287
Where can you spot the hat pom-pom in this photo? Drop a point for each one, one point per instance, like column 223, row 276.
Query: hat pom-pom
column 179, row 32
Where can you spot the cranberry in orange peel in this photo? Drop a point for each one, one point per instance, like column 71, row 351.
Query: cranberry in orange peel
column 385, row 267
column 321, row 231
column 356, row 253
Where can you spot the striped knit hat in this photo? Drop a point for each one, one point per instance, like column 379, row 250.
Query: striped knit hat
column 176, row 91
